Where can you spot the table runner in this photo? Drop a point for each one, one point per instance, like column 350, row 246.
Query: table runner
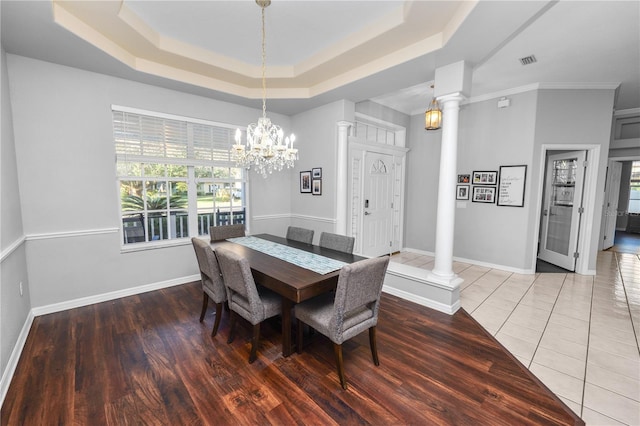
column 304, row 259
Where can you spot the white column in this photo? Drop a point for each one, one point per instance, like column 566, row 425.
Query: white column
column 342, row 181
column 445, row 219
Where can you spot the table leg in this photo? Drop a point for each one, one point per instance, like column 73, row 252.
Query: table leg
column 287, row 344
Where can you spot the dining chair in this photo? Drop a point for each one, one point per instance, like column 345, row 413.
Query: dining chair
column 337, row 242
column 244, row 298
column 302, row 235
column 212, row 282
column 223, row 232
column 349, row 311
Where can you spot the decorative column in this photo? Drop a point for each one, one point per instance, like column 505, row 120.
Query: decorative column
column 341, row 177
column 445, row 221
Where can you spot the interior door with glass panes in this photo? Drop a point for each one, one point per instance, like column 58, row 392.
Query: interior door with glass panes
column 561, row 210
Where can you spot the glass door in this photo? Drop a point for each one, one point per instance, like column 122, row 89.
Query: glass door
column 561, row 209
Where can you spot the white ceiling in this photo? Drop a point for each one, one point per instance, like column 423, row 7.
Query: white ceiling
column 320, row 51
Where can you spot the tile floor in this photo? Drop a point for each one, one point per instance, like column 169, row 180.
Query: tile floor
column 578, row 334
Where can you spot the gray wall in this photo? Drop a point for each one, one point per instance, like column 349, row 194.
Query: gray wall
column 318, row 132
column 561, row 120
column 488, row 138
column 66, row 169
column 384, row 113
column 14, row 309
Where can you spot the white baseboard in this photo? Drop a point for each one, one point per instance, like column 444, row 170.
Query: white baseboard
column 476, row 262
column 7, row 374
column 84, row 301
column 423, row 301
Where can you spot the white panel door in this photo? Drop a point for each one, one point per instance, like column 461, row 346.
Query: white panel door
column 377, row 204
column 562, row 205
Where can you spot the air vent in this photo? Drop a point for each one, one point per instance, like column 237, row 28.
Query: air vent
column 527, row 60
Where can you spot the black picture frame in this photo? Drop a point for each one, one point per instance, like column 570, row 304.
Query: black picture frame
column 462, row 192
column 511, row 185
column 316, row 173
column 316, row 185
column 305, row 182
column 484, row 194
column 484, row 177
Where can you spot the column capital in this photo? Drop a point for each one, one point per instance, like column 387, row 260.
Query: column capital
column 450, row 98
column 344, row 123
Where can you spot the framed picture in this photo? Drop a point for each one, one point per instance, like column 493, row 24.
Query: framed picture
column 511, row 186
column 464, row 179
column 305, row 181
column 462, row 192
column 316, row 173
column 484, row 194
column 485, row 178
column 317, row 186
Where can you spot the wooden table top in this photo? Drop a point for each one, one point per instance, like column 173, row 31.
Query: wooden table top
column 289, row 280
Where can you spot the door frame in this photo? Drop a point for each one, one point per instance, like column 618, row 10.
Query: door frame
column 586, row 229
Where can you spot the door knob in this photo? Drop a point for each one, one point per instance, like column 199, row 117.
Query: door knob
column 367, row 213
column 545, row 212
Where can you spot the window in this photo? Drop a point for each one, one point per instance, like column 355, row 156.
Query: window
column 175, row 176
column 634, row 188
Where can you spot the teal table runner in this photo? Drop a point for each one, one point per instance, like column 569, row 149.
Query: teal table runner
column 304, row 259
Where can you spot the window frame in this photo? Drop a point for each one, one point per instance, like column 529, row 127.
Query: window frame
column 634, row 182
column 235, row 177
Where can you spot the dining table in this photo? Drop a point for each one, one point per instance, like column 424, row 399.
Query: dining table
column 292, row 274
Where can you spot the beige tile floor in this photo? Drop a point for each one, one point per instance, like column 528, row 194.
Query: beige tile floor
column 578, row 334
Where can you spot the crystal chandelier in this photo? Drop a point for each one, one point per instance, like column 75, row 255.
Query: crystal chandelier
column 266, row 149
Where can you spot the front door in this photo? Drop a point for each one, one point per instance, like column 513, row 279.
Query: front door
column 562, row 206
column 377, row 204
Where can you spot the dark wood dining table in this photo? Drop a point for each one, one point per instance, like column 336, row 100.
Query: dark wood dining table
column 294, row 283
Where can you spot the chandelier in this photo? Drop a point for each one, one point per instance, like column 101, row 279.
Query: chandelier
column 266, row 149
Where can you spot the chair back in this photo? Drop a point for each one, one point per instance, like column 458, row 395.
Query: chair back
column 223, row 232
column 337, row 242
column 302, row 235
column 358, row 293
column 209, row 270
column 242, row 293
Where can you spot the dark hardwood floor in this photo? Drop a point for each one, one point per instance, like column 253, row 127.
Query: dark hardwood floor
column 146, row 359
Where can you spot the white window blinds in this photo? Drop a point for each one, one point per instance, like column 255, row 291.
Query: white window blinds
column 140, row 137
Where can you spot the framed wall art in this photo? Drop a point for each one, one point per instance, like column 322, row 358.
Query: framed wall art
column 305, row 181
column 464, row 178
column 316, row 173
column 484, row 194
column 462, row 192
column 511, row 186
column 317, row 186
column 485, row 178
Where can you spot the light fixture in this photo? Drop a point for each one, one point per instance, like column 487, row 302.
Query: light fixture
column 265, row 148
column 433, row 115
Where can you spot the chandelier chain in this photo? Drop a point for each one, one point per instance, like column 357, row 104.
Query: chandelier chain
column 264, row 67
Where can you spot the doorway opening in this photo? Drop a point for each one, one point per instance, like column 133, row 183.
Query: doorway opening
column 566, row 207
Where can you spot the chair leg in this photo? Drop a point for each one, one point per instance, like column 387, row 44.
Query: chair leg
column 254, row 343
column 205, row 302
column 374, row 345
column 232, row 326
column 218, row 317
column 300, row 327
column 337, row 349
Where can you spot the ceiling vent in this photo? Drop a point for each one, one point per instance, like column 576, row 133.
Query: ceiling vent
column 527, row 60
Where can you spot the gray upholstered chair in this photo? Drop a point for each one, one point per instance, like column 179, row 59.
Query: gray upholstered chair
column 302, row 235
column 226, row 231
column 337, row 242
column 353, row 309
column 212, row 283
column 244, row 298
